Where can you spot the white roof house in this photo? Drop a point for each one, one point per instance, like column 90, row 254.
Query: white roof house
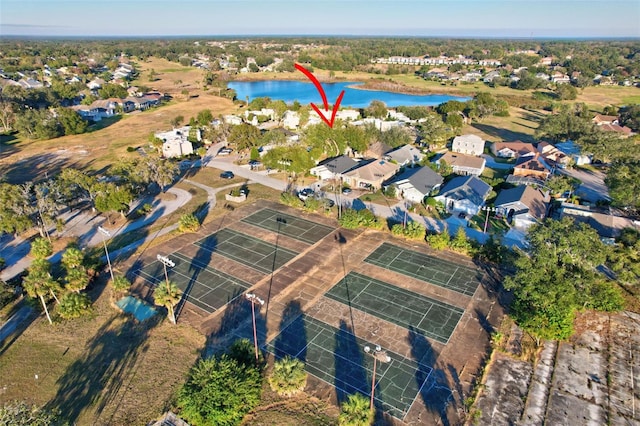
column 348, row 114
column 175, row 143
column 468, row 144
column 290, row 120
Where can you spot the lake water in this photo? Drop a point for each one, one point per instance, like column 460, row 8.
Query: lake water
column 305, row 93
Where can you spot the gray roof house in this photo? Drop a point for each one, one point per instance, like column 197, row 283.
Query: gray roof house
column 405, row 154
column 333, row 167
column 464, row 194
column 416, row 183
column 523, row 205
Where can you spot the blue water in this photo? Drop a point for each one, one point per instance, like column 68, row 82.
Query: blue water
column 137, row 307
column 305, row 93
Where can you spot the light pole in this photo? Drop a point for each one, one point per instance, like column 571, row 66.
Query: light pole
column 166, row 262
column 486, row 220
column 254, row 300
column 106, row 233
column 378, row 355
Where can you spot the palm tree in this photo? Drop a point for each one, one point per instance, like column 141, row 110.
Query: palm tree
column 40, row 284
column 355, row 411
column 74, row 305
column 77, row 277
column 169, row 296
column 288, row 377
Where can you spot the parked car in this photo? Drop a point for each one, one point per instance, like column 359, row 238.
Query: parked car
column 225, row 151
column 306, row 193
column 328, row 202
column 346, row 190
column 227, row 174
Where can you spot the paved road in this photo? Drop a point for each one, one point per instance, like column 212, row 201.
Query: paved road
column 592, row 188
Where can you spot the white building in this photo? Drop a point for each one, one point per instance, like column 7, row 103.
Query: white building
column 175, row 143
column 468, row 144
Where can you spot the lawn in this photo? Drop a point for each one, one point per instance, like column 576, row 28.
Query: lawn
column 104, row 369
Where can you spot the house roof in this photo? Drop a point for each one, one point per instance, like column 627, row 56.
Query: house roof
column 421, row 178
column 456, row 159
column 533, row 163
column 534, row 200
column 466, row 187
column 607, row 127
column 601, row 118
column 373, row 170
column 519, row 147
column 468, row 140
column 339, row 164
column 378, row 149
column 405, row 154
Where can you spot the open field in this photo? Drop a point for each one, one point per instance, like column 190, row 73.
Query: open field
column 106, row 369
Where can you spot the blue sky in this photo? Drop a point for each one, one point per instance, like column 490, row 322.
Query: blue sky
column 463, row 18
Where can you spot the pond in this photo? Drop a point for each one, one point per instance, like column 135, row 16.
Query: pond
column 305, row 93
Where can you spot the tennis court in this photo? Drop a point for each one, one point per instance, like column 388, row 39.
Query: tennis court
column 436, row 320
column 337, row 357
column 426, row 268
column 291, row 226
column 250, row 251
column 203, row 286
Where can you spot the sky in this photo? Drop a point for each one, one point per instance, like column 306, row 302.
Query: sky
column 441, row 18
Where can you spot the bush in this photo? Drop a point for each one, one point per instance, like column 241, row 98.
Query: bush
column 120, row 284
column 460, row 243
column 439, row 241
column 413, row 230
column 188, row 223
column 312, row 204
column 219, row 391
column 290, row 200
column 352, row 219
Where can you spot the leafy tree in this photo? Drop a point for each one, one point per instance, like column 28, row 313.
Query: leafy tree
column 188, row 223
column 559, row 184
column 71, row 121
column 177, row 121
column 414, row 112
column 434, row 131
column 439, row 241
column 623, row 181
column 112, row 198
column 288, row 376
column 455, row 121
column 19, row 413
column 219, row 392
column 41, row 248
column 567, row 124
column 110, row 90
column 15, row 211
column 396, row 136
column 460, row 243
column 557, row 277
column 244, row 136
column 352, row 219
column 205, row 117
column 243, row 351
column 355, row 411
column 450, row 107
column 566, row 92
column 168, row 295
column 7, row 116
column 624, row 259
column 74, row 305
column 412, row 230
column 376, row 109
column 630, row 117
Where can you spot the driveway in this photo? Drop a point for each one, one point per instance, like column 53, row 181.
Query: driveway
column 592, row 188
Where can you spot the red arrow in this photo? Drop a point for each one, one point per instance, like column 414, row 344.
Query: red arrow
column 315, row 81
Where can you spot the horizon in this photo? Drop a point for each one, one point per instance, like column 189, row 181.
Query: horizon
column 490, row 19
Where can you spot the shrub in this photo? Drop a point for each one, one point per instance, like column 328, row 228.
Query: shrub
column 312, row 204
column 219, row 391
column 352, row 219
column 413, row 230
column 288, row 377
column 290, row 200
column 439, row 241
column 120, row 284
column 460, row 243
column 188, row 223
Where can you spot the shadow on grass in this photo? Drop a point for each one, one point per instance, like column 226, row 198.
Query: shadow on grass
column 504, row 134
column 95, row 379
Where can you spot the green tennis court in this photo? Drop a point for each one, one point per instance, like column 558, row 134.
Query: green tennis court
column 250, row 251
column 202, row 285
column 426, row 268
column 437, row 320
column 291, row 226
column 337, row 357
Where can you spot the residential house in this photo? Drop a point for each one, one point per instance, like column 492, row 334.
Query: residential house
column 523, row 205
column 290, row 120
column 347, row 114
column 398, row 116
column 610, row 123
column 405, row 155
column 382, row 125
column 513, row 149
column 96, row 84
column 415, row 183
column 543, row 76
column 463, row 164
column 553, row 155
column 377, row 150
column 533, row 166
column 471, row 77
column 465, row 194
column 574, row 152
column 468, row 144
column 176, row 143
column 333, row 168
column 546, row 60
column 490, row 76
column 560, row 78
column 606, row 225
column 234, row 120
column 370, row 174
column 30, row 83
